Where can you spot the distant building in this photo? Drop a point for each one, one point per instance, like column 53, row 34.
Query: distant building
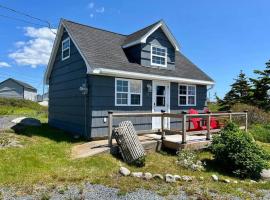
column 12, row 88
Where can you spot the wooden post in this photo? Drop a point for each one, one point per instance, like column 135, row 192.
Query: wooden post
column 208, row 134
column 246, row 122
column 162, row 125
column 110, row 127
column 230, row 115
column 184, row 128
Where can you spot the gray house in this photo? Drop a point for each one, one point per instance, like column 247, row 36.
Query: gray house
column 11, row 88
column 92, row 71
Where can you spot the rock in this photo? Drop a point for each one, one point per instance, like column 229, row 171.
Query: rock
column 124, row 171
column 235, row 182
column 265, row 174
column 177, row 177
column 147, row 176
column 137, row 174
column 214, row 177
column 226, row 181
column 158, row 176
column 169, row 178
column 252, row 181
column 187, row 178
column 201, row 178
column 26, row 121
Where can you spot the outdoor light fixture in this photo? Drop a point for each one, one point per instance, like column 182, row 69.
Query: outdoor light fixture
column 149, row 87
column 83, row 89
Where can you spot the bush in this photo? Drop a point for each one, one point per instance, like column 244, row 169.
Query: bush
column 237, row 152
column 255, row 115
column 261, row 132
column 189, row 160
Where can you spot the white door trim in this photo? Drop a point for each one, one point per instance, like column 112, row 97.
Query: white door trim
column 167, row 97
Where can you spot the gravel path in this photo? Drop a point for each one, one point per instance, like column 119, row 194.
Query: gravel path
column 5, row 122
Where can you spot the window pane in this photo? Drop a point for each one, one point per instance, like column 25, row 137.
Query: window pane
column 122, row 98
column 182, row 89
column 66, row 44
column 66, row 53
column 135, row 99
column 160, row 90
column 135, row 86
column 191, row 100
column 158, row 51
column 158, row 60
column 182, row 100
column 122, row 86
column 191, row 90
column 160, row 101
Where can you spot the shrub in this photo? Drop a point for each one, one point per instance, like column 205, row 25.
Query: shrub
column 255, row 115
column 237, row 152
column 189, row 160
column 261, row 132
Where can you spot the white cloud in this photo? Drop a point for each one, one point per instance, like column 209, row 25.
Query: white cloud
column 37, row 49
column 4, row 64
column 91, row 5
column 100, row 10
column 91, row 15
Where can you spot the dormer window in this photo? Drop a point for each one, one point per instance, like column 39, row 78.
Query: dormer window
column 66, row 49
column 158, row 56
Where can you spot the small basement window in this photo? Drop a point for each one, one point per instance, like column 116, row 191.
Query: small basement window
column 158, row 56
column 187, row 95
column 66, row 49
column 128, row 92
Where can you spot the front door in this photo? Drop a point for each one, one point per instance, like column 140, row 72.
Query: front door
column 161, row 101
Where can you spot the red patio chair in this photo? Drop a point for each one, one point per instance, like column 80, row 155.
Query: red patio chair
column 214, row 124
column 197, row 122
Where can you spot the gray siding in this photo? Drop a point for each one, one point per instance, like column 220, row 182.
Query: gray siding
column 102, row 100
column 66, row 103
column 160, row 39
column 11, row 89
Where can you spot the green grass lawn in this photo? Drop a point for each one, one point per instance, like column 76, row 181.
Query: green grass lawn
column 19, row 107
column 45, row 159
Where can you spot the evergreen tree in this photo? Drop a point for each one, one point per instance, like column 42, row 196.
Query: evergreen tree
column 240, row 92
column 261, row 88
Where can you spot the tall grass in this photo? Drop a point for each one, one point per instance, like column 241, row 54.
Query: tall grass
column 21, row 107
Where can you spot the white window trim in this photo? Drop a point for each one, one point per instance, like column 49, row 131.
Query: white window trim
column 67, row 39
column 151, row 54
column 129, row 93
column 186, row 95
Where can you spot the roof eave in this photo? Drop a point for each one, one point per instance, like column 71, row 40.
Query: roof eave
column 125, row 74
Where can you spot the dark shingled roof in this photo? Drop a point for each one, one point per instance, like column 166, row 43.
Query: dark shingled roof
column 103, row 49
column 25, row 85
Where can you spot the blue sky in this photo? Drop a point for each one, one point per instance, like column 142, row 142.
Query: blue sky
column 221, row 37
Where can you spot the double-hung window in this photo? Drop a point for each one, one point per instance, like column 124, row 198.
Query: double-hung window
column 158, row 56
column 66, row 49
column 128, row 92
column 186, row 95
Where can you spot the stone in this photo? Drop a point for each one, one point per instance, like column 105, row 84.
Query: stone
column 235, row 182
column 226, row 181
column 158, row 176
column 265, row 174
column 124, row 171
column 137, row 174
column 201, row 178
column 252, row 181
column 169, row 178
column 147, row 176
column 214, row 177
column 177, row 177
column 26, row 121
column 186, row 178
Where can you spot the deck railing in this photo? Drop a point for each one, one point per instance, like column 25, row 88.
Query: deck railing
column 185, row 119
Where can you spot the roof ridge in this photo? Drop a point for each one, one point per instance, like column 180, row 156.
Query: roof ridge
column 94, row 27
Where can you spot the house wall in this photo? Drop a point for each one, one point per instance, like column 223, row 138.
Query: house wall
column 66, row 103
column 102, row 100
column 11, row 89
column 30, row 94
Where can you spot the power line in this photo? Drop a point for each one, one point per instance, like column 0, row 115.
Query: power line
column 29, row 16
column 18, row 19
